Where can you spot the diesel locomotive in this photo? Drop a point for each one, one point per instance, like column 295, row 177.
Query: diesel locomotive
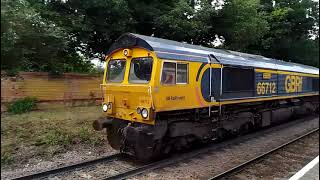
column 160, row 95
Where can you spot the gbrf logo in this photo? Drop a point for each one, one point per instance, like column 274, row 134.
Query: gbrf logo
column 293, row 83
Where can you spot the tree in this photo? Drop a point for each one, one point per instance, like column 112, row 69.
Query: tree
column 292, row 23
column 240, row 23
column 183, row 23
column 32, row 43
column 57, row 35
column 146, row 12
column 92, row 25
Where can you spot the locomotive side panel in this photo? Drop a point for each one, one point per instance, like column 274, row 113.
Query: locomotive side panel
column 194, row 93
column 237, row 83
column 215, row 84
column 290, row 84
column 280, row 83
column 266, row 84
column 172, row 91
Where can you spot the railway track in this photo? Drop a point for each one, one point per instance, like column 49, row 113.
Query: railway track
column 126, row 169
column 242, row 166
column 69, row 168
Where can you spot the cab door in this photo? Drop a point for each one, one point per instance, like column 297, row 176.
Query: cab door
column 174, row 90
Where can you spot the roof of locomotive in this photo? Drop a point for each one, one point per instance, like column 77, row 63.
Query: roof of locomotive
column 168, row 49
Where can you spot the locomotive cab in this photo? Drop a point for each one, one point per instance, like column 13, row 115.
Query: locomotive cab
column 127, row 85
column 128, row 100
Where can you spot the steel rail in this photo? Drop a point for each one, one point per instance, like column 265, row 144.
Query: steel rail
column 69, row 167
column 253, row 160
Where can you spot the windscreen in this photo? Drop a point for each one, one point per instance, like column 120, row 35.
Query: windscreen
column 140, row 70
column 115, row 70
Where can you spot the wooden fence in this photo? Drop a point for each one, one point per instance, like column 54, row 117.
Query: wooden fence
column 69, row 89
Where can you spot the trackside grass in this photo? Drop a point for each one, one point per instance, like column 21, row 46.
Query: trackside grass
column 47, row 133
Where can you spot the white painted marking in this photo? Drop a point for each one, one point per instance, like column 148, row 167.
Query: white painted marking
column 305, row 169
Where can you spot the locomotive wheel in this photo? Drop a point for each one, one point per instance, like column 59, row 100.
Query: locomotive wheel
column 222, row 134
column 245, row 128
column 141, row 143
column 144, row 142
column 114, row 134
column 151, row 153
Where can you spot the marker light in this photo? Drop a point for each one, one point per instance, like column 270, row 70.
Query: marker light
column 105, row 107
column 109, row 106
column 144, row 113
column 138, row 110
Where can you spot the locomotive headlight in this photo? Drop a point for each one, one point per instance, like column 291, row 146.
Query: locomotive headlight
column 109, row 106
column 105, row 107
column 138, row 110
column 127, row 52
column 144, row 113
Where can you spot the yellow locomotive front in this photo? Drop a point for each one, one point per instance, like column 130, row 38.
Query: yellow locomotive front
column 127, row 85
column 128, row 100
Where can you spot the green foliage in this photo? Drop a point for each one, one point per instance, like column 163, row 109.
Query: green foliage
column 291, row 24
column 91, row 25
column 30, row 42
column 22, row 106
column 86, row 136
column 54, row 137
column 182, row 23
column 42, row 134
column 6, row 159
column 241, row 24
column 60, row 36
column 12, row 72
column 60, row 137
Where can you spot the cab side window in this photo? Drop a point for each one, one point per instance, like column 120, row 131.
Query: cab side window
column 168, row 73
column 182, row 73
column 174, row 73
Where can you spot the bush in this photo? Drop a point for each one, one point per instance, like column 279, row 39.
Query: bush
column 12, row 72
column 6, row 159
column 87, row 135
column 54, row 136
column 22, row 106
